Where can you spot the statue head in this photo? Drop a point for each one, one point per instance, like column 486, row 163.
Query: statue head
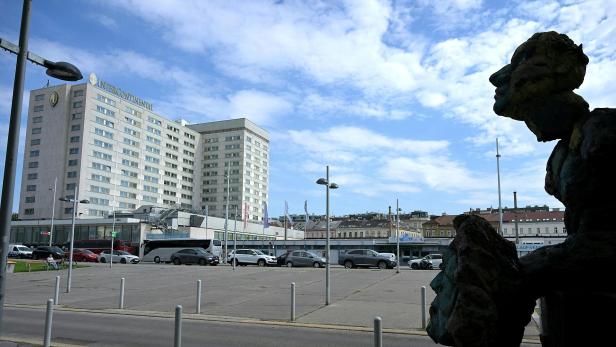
column 537, row 86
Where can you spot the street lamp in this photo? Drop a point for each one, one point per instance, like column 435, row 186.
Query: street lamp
column 397, row 237
column 53, row 209
column 227, row 176
column 70, row 260
column 328, row 185
column 64, row 71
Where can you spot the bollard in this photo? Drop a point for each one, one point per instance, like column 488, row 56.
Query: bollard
column 177, row 338
column 292, row 301
column 378, row 332
column 48, row 320
column 198, row 296
column 29, row 267
column 423, row 307
column 56, row 293
column 122, row 293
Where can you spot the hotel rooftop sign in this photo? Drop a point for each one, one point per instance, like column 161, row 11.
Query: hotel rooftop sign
column 119, row 92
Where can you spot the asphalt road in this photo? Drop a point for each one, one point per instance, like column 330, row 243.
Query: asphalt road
column 92, row 329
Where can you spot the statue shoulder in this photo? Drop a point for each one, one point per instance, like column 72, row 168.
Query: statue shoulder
column 599, row 135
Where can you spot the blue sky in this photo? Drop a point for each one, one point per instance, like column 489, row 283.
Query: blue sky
column 393, row 95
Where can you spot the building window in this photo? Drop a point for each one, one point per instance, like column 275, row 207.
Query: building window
column 75, row 127
column 39, row 97
column 104, row 122
column 77, row 115
column 32, row 176
column 77, row 93
column 31, row 188
column 68, row 210
column 77, row 104
column 133, row 111
column 29, row 199
column 34, row 153
column 99, row 166
column 129, row 173
column 101, row 178
column 72, row 162
column 71, row 174
column 128, row 195
column 71, row 186
column 128, row 184
column 33, row 164
column 74, row 139
column 104, row 133
column 105, row 99
column 36, row 131
column 103, row 144
column 73, row 150
column 35, row 142
column 38, row 119
column 39, row 108
column 29, row 211
column 130, row 163
column 97, row 189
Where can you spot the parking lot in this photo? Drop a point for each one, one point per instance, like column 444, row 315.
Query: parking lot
column 358, row 295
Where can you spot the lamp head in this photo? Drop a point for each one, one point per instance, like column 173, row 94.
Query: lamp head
column 63, row 70
column 322, row 181
column 333, row 186
column 84, row 201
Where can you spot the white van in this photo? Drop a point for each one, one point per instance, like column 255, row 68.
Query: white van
column 19, row 251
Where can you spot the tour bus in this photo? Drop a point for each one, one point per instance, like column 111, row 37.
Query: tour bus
column 98, row 246
column 160, row 250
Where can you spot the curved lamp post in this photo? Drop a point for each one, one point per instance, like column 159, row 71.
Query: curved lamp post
column 61, row 70
column 328, row 185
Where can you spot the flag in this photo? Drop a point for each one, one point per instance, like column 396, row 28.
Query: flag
column 286, row 213
column 306, row 210
column 265, row 217
column 245, row 214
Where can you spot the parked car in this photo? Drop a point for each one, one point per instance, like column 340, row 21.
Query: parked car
column 85, row 255
column 391, row 256
column 19, row 251
column 365, row 258
column 194, row 256
column 281, row 259
column 430, row 261
column 42, row 252
column 118, row 256
column 250, row 256
column 304, row 258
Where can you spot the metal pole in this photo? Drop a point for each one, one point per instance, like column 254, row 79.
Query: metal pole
column 515, row 209
column 70, row 260
column 48, row 321
column 292, row 301
column 423, row 307
column 53, row 210
column 198, row 296
column 56, row 293
column 121, row 305
column 397, row 238
column 327, row 284
column 500, row 210
column 227, row 209
column 177, row 337
column 378, row 332
column 112, row 232
column 12, row 145
column 234, row 235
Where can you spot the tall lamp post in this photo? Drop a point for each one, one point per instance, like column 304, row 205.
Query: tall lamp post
column 227, row 175
column 70, row 259
column 53, row 209
column 61, row 70
column 397, row 237
column 328, row 185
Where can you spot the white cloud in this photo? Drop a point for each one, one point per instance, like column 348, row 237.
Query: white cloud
column 105, row 21
column 260, row 107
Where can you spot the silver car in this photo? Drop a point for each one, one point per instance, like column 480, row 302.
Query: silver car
column 304, row 258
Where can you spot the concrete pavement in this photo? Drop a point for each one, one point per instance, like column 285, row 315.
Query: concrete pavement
column 358, row 295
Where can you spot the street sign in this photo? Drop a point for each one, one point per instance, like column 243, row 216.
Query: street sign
column 113, row 234
column 45, row 233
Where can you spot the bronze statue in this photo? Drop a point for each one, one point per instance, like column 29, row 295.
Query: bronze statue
column 485, row 294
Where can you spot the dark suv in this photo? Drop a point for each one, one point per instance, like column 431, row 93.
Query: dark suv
column 42, row 252
column 365, row 258
column 194, row 256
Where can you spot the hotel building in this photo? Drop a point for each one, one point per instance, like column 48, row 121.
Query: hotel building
column 115, row 151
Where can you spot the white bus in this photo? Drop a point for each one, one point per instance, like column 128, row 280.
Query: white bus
column 161, row 250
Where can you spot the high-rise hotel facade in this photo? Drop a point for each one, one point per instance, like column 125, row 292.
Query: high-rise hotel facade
column 115, row 151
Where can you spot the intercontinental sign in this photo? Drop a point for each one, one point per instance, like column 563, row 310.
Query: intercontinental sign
column 119, row 92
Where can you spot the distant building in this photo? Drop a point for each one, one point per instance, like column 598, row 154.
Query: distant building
column 120, row 154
